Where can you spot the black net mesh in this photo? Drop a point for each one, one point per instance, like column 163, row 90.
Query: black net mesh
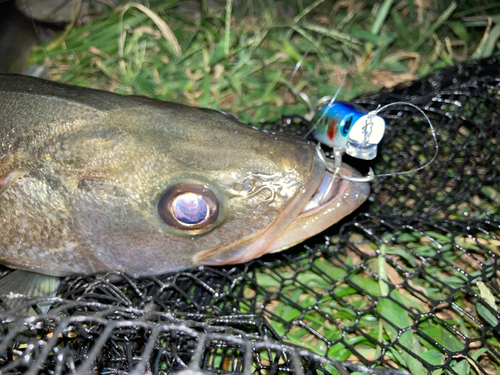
column 409, row 282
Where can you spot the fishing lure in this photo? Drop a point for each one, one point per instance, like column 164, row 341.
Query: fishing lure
column 348, row 128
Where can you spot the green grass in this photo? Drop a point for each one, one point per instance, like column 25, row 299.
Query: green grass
column 241, row 59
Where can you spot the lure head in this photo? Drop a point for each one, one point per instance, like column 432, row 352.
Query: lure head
column 349, row 127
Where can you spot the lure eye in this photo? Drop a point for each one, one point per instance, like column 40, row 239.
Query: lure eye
column 346, row 126
column 190, row 207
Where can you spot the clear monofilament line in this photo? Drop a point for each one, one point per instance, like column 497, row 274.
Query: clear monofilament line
column 375, row 112
column 295, row 70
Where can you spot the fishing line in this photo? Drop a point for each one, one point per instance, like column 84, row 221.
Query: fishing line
column 433, row 132
column 305, row 98
column 295, row 70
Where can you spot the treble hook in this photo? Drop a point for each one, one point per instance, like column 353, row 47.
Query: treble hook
column 337, row 165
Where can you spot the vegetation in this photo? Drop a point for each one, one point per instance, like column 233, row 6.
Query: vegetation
column 242, row 59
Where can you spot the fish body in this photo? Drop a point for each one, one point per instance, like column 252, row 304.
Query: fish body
column 348, row 127
column 92, row 181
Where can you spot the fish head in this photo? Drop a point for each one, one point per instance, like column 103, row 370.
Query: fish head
column 96, row 182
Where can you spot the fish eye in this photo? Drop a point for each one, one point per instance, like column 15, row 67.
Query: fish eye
column 190, row 207
column 344, row 129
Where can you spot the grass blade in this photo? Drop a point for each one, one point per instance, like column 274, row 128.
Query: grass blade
column 162, row 26
column 381, row 16
column 442, row 18
column 488, row 43
column 229, row 9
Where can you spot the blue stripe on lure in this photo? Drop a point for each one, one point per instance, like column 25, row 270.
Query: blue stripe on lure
column 348, row 127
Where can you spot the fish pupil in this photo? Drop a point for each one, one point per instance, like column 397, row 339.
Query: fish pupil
column 189, row 208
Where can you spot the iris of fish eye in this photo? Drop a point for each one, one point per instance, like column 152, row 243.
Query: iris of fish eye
column 189, row 208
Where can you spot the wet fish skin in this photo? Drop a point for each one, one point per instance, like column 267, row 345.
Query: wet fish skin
column 87, row 169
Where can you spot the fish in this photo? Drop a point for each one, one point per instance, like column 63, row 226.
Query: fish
column 94, row 182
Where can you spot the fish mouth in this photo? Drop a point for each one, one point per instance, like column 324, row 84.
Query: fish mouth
column 334, row 199
column 325, row 200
